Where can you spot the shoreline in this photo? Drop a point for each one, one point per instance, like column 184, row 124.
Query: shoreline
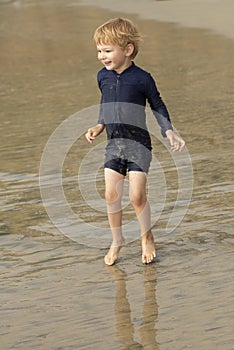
column 216, row 16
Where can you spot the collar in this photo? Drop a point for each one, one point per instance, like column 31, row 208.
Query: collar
column 126, row 70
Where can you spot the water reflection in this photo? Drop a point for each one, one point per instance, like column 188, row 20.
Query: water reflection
column 124, row 325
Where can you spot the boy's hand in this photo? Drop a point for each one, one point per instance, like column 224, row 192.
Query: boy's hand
column 177, row 143
column 92, row 133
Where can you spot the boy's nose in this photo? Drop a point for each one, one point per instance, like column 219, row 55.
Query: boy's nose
column 101, row 55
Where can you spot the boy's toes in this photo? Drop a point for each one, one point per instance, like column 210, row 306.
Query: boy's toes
column 147, row 259
column 109, row 260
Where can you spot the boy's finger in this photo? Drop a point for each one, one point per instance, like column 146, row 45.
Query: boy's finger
column 175, row 147
column 182, row 146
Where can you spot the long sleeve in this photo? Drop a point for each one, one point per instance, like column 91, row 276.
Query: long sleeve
column 101, row 114
column 157, row 106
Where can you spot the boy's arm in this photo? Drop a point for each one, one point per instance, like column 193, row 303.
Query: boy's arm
column 93, row 132
column 157, row 105
column 161, row 113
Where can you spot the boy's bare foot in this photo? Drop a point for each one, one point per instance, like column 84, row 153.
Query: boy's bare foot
column 113, row 253
column 148, row 248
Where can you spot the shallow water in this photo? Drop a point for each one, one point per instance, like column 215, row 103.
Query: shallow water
column 56, row 293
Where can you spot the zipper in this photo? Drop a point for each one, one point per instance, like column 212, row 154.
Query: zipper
column 117, row 86
column 117, row 119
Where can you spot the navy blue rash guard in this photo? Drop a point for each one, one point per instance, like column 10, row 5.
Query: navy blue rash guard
column 123, row 102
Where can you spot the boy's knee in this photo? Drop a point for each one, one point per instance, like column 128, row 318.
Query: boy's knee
column 138, row 200
column 113, row 202
column 111, row 197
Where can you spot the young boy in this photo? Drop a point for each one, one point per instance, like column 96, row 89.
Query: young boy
column 125, row 89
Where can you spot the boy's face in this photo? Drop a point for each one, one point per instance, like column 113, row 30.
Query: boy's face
column 115, row 58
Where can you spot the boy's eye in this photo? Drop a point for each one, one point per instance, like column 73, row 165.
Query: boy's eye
column 107, row 51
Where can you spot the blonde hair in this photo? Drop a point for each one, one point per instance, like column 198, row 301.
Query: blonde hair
column 120, row 32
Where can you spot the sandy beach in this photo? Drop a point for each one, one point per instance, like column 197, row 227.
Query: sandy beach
column 214, row 15
column 56, row 292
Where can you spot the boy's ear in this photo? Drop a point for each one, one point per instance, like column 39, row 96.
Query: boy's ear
column 129, row 49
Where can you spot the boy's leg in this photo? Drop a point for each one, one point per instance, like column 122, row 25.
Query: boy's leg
column 137, row 181
column 113, row 194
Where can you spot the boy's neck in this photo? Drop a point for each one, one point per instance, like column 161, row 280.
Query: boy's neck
column 124, row 68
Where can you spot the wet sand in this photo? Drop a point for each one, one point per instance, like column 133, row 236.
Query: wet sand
column 213, row 15
column 57, row 293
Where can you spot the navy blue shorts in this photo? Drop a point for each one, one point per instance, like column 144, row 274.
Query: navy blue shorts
column 122, row 166
column 123, row 155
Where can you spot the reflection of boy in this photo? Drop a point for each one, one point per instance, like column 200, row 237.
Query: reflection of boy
column 125, row 89
column 124, row 326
